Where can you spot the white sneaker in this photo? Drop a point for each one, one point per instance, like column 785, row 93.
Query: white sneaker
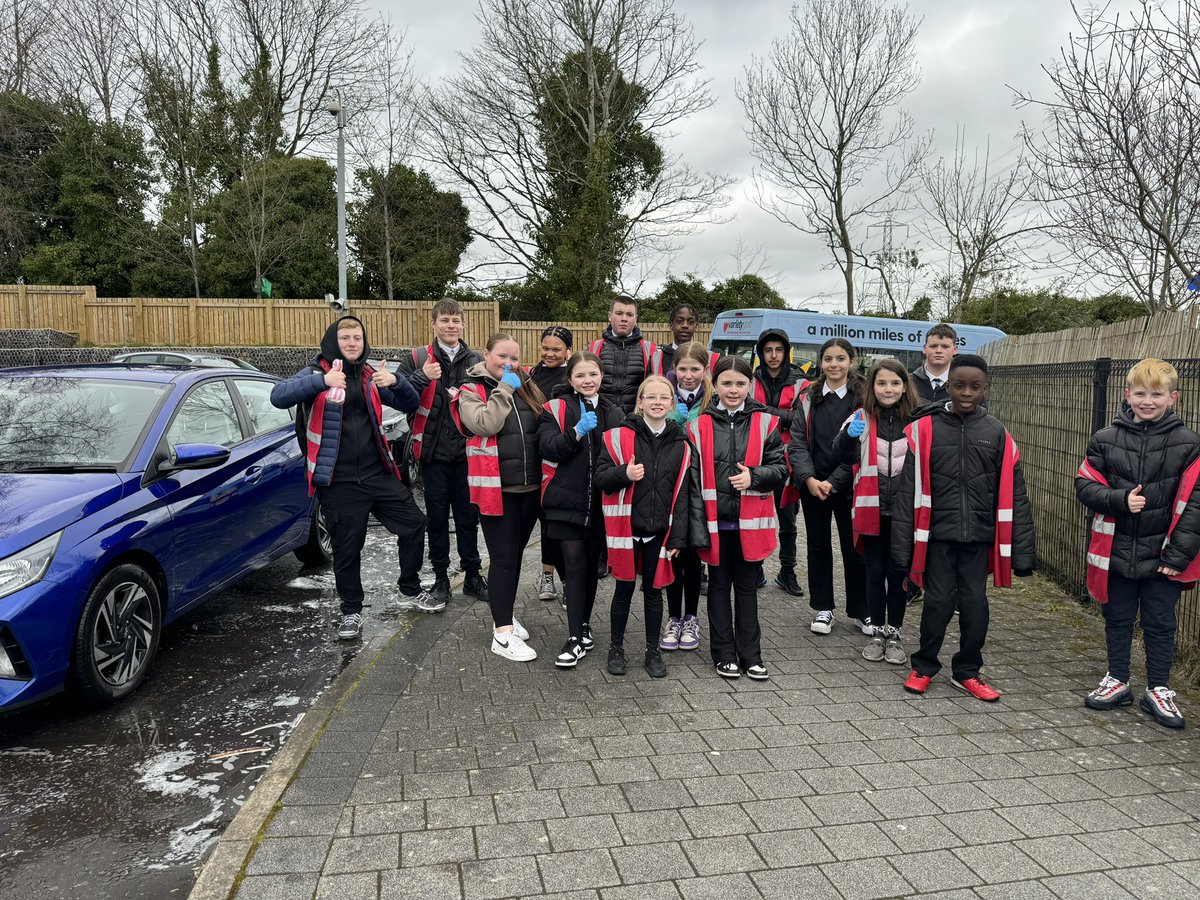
column 547, row 590
column 864, row 625
column 520, row 630
column 823, row 623
column 512, row 646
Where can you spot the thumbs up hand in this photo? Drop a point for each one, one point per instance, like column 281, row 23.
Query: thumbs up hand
column 510, row 378
column 1136, row 501
column 635, row 471
column 681, row 409
column 432, row 369
column 741, row 481
column 858, row 424
column 587, row 420
column 335, row 377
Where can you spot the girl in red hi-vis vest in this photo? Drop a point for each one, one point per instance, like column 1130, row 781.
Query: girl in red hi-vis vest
column 1140, row 480
column 649, row 479
column 741, row 465
column 960, row 511
column 874, row 442
column 569, row 441
column 499, row 409
column 548, row 375
column 691, row 364
column 825, row 484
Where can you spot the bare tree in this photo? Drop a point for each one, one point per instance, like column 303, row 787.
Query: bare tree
column 822, row 119
column 552, row 83
column 24, row 39
column 976, row 213
column 1119, row 158
column 92, row 59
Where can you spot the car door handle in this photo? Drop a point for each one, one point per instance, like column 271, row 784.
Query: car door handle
column 253, row 474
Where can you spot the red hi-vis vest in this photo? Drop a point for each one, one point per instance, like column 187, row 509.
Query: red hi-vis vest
column 558, row 410
column 618, row 514
column 421, row 419
column 920, row 443
column 483, row 460
column 651, row 358
column 1104, row 529
column 864, row 514
column 797, row 391
column 756, row 514
column 315, row 426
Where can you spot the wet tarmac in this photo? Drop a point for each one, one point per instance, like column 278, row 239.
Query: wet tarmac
column 124, row 802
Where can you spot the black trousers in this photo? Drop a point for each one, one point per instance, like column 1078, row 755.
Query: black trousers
column 955, row 574
column 647, row 553
column 787, row 532
column 733, row 632
column 886, row 594
column 1156, row 598
column 347, row 507
column 819, row 516
column 506, row 537
column 551, row 551
column 446, row 489
column 581, row 548
column 683, row 594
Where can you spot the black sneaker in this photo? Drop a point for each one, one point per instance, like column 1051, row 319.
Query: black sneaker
column 351, row 627
column 616, row 660
column 758, row 672
column 654, row 663
column 586, row 638
column 1160, row 703
column 786, row 579
column 572, row 653
column 441, row 587
column 729, row 670
column 475, row 587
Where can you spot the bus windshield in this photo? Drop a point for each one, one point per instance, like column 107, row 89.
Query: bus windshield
column 736, row 331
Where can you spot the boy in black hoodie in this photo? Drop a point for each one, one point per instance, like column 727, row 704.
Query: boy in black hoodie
column 1137, row 472
column 777, row 385
column 960, row 510
column 350, row 465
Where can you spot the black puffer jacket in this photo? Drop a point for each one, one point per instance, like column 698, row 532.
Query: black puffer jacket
column 624, row 366
column 811, row 449
column 442, row 441
column 548, row 379
column 731, row 437
column 506, row 415
column 572, row 495
column 965, row 462
column 1154, row 455
column 661, row 455
column 892, row 446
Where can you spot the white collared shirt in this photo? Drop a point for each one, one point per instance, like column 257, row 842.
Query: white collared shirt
column 841, row 392
column 450, row 352
column 938, row 380
column 733, row 412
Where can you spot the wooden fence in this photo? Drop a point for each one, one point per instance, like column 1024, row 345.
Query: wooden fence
column 166, row 322
column 1167, row 335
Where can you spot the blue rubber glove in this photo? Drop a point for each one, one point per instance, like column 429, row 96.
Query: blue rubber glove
column 857, row 425
column 510, row 378
column 587, row 420
column 682, row 409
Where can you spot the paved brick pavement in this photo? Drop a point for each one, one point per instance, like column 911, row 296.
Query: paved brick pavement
column 481, row 778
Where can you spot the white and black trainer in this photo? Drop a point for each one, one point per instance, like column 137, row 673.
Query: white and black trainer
column 572, row 653
column 351, row 627
column 511, row 646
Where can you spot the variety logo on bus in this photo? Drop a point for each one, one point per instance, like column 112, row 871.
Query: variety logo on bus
column 736, row 325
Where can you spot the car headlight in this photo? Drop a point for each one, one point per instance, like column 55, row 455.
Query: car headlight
column 27, row 566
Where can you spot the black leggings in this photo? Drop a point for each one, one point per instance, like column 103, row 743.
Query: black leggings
column 581, row 556
column 647, row 553
column 819, row 516
column 886, row 594
column 683, row 594
column 506, row 537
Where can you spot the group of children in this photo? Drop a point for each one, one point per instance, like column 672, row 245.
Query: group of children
column 924, row 486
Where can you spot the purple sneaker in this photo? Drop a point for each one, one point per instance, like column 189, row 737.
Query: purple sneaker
column 689, row 636
column 670, row 635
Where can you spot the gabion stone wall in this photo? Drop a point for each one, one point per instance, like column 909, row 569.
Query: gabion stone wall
column 35, row 337
column 281, row 361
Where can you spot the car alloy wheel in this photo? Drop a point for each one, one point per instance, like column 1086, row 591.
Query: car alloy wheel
column 123, row 634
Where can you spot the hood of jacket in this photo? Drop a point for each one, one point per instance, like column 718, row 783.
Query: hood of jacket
column 771, row 334
column 329, row 344
column 751, row 405
column 480, row 371
column 632, row 338
column 1169, row 422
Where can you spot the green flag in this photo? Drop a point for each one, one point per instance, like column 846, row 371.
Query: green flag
column 265, row 285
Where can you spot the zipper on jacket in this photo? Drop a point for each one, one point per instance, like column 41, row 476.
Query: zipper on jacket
column 524, row 449
column 1144, row 431
column 962, row 483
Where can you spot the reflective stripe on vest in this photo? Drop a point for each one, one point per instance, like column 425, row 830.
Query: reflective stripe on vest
column 558, row 410
column 865, row 511
column 483, row 461
column 421, row 418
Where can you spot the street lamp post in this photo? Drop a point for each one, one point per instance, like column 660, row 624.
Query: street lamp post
column 336, row 109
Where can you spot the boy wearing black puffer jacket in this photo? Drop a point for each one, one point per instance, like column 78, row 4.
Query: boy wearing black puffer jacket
column 960, row 510
column 1140, row 479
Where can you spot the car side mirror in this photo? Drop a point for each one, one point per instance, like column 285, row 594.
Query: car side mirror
column 194, row 456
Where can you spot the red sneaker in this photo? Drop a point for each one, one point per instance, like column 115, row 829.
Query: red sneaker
column 917, row 683
column 978, row 688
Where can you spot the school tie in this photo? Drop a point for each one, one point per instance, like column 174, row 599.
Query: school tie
column 937, row 383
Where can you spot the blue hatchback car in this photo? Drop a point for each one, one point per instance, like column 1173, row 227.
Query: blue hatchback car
column 129, row 495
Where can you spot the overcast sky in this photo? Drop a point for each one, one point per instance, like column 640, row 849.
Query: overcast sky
column 971, row 54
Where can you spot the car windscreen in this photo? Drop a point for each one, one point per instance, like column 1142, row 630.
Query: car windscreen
column 63, row 423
